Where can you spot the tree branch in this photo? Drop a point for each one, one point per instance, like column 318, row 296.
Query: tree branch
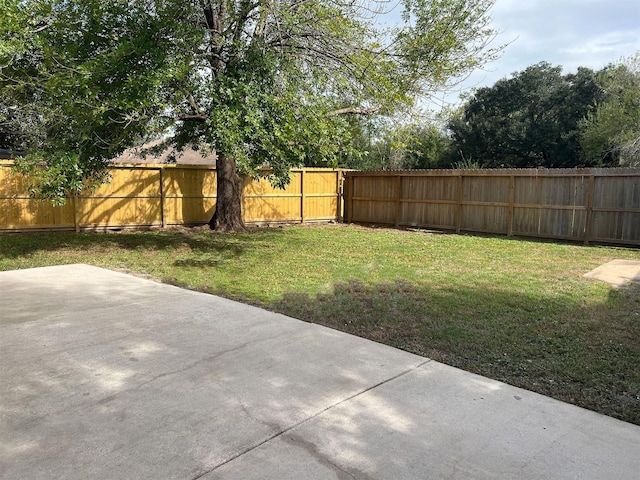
column 192, row 104
column 195, row 118
column 354, row 111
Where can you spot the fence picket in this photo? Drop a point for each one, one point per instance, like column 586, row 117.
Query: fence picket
column 159, row 195
column 587, row 205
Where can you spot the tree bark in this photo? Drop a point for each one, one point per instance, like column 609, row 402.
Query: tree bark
column 228, row 214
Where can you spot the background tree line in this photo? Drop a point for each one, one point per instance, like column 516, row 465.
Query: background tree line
column 284, row 84
column 537, row 118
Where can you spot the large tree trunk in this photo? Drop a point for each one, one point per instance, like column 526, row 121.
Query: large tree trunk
column 228, row 214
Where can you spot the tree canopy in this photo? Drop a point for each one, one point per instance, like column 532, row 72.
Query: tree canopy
column 542, row 118
column 258, row 82
column 611, row 133
column 417, row 145
column 531, row 119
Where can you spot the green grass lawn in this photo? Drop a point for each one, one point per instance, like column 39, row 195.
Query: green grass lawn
column 514, row 310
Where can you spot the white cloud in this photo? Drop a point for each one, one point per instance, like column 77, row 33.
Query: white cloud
column 570, row 33
column 610, row 43
column 557, row 31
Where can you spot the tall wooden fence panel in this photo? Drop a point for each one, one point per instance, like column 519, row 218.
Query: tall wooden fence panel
column 589, row 205
column 161, row 195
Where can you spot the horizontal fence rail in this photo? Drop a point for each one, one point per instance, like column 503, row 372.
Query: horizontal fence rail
column 589, row 205
column 140, row 196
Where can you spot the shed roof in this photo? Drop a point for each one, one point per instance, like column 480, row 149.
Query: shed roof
column 188, row 156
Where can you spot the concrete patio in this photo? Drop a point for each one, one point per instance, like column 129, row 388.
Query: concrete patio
column 108, row 376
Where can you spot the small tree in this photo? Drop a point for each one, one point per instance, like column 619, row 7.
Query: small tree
column 611, row 133
column 402, row 147
column 261, row 83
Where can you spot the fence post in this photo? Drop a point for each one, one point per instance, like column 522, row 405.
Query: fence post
column 163, row 197
column 76, row 215
column 349, row 204
column 512, row 199
column 339, row 193
column 590, row 194
column 302, row 196
column 398, row 207
column 459, row 205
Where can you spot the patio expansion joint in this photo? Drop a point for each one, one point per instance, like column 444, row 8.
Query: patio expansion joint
column 308, row 419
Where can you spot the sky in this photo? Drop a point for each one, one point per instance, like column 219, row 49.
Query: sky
column 570, row 33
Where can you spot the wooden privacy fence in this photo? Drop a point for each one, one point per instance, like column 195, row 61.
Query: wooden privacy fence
column 589, row 205
column 161, row 195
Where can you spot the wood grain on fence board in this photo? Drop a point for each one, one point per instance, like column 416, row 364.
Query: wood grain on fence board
column 161, row 195
column 599, row 205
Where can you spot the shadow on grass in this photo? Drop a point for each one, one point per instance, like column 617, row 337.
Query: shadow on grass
column 555, row 346
column 17, row 245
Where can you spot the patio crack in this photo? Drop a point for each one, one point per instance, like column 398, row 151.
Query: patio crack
column 282, row 432
column 182, row 369
column 314, row 451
